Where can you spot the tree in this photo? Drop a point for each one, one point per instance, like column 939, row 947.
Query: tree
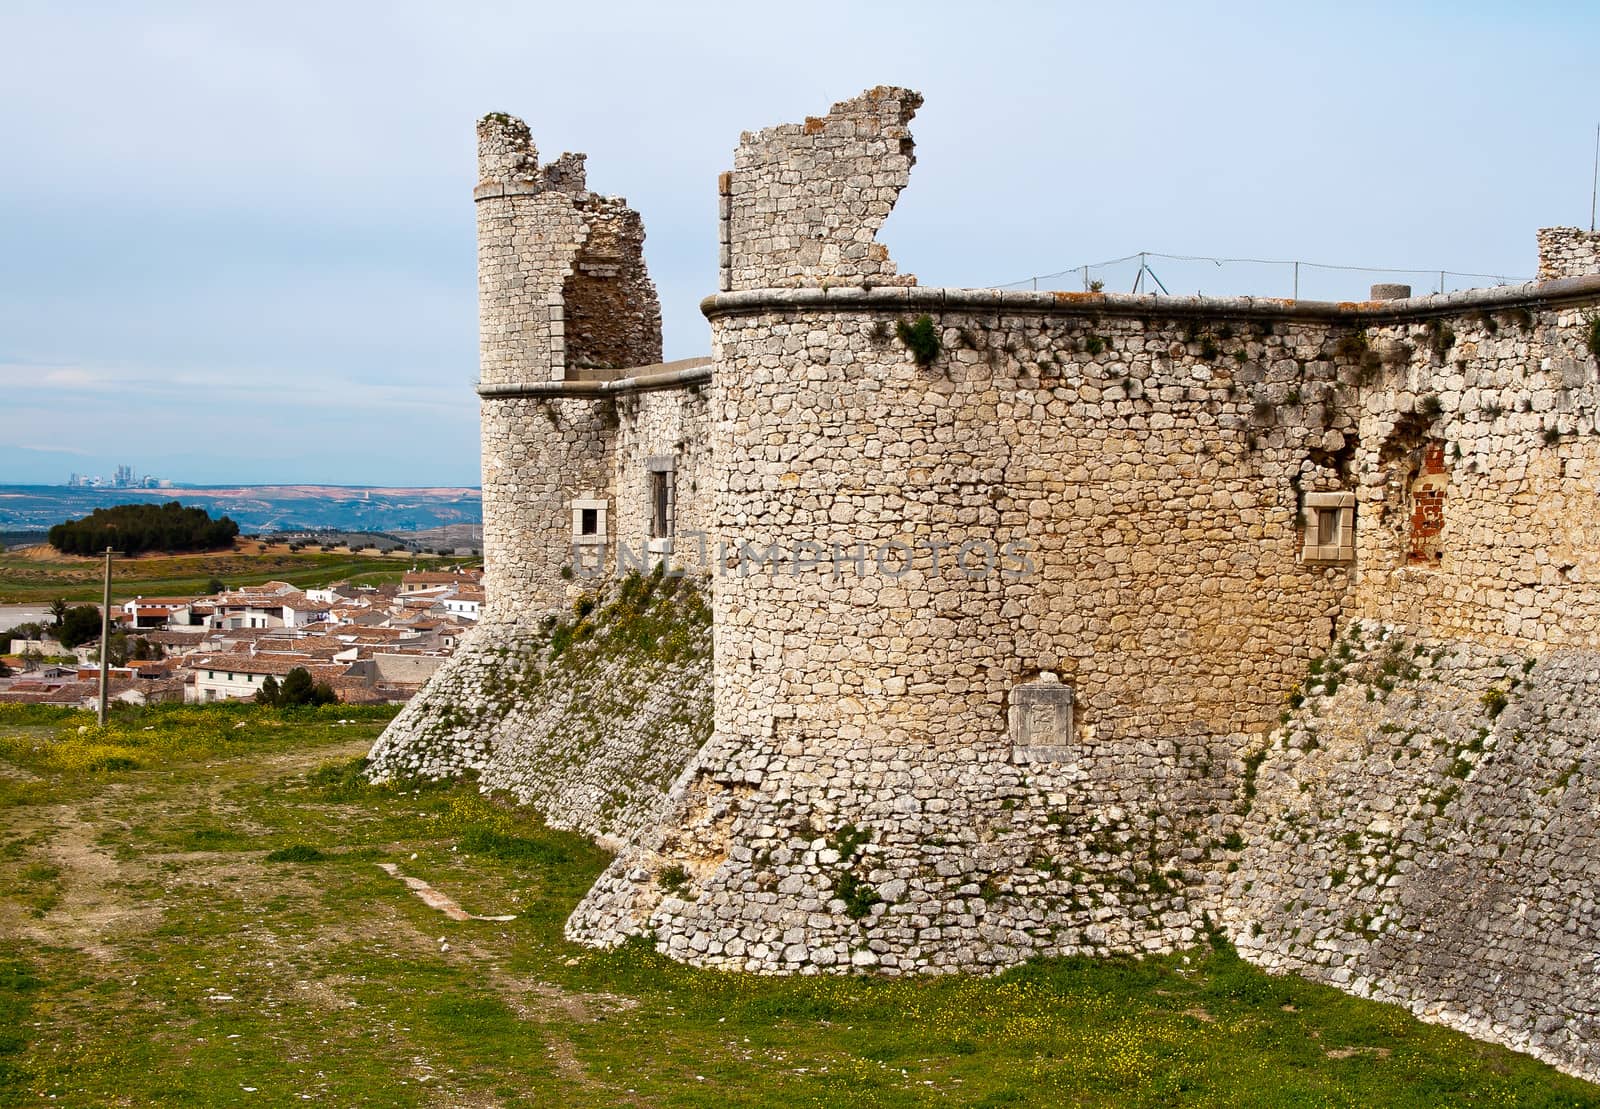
column 269, row 693
column 134, row 528
column 117, row 649
column 299, row 689
column 296, row 689
column 216, row 585
column 58, row 610
column 80, row 624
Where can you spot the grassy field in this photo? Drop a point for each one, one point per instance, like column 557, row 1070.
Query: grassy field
column 192, row 913
column 31, row 575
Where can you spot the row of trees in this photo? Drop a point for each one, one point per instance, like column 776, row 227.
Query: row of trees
column 136, row 528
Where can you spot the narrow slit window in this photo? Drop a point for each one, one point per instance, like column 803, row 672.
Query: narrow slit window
column 660, row 505
column 589, row 521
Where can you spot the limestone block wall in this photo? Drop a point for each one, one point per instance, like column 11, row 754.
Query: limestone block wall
column 804, row 201
column 1423, row 832
column 1139, row 469
column 1506, row 397
column 656, row 428
column 544, row 451
column 445, row 730
column 1567, row 252
column 1107, row 504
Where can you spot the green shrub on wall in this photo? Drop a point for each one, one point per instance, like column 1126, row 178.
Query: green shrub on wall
column 921, row 339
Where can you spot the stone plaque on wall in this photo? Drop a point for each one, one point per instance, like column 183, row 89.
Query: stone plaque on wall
column 1041, row 721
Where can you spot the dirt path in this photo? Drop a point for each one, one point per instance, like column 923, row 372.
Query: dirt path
column 95, row 903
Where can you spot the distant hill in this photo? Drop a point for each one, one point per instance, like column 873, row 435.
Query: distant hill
column 257, row 508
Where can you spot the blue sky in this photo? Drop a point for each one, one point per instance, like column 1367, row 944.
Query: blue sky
column 236, row 242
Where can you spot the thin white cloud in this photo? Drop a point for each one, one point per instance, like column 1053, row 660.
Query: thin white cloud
column 47, row 449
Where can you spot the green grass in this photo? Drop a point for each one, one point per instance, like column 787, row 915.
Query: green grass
column 25, row 580
column 152, row 952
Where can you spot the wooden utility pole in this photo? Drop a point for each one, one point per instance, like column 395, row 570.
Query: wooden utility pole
column 105, row 639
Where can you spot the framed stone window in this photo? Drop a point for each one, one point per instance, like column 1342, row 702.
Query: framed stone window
column 1330, row 528
column 1041, row 721
column 588, row 521
column 662, row 507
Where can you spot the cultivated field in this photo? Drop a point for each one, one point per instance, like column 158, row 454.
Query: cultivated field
column 193, row 912
column 40, row 574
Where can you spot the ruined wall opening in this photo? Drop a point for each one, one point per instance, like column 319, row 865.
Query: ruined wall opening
column 1417, row 479
column 612, row 316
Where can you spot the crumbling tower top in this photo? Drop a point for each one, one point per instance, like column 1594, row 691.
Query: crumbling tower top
column 804, row 201
column 562, row 288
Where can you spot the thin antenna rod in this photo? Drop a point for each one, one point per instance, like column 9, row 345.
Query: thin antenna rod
column 1594, row 190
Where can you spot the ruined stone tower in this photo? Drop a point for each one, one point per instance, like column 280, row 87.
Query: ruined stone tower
column 1045, row 623
column 564, row 302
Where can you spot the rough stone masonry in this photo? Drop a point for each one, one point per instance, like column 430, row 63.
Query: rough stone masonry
column 1044, row 623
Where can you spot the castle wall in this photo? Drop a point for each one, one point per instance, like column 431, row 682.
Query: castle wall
column 589, row 717
column 665, row 428
column 1141, row 523
column 539, row 452
column 1516, row 557
column 868, row 798
column 1423, row 832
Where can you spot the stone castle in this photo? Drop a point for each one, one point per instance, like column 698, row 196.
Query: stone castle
column 1040, row 623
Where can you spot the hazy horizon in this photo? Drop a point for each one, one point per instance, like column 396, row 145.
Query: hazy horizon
column 239, row 247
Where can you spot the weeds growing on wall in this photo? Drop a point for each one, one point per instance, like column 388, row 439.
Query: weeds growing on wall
column 1352, row 346
column 1441, row 337
column 921, row 338
column 674, row 879
column 1591, row 335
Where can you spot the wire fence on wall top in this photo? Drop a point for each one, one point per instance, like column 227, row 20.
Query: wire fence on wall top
column 1191, row 274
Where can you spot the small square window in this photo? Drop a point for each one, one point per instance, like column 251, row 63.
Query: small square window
column 1330, row 533
column 588, row 521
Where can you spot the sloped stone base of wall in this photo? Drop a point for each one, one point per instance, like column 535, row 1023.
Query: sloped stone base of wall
column 794, row 856
column 1424, row 832
column 588, row 719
